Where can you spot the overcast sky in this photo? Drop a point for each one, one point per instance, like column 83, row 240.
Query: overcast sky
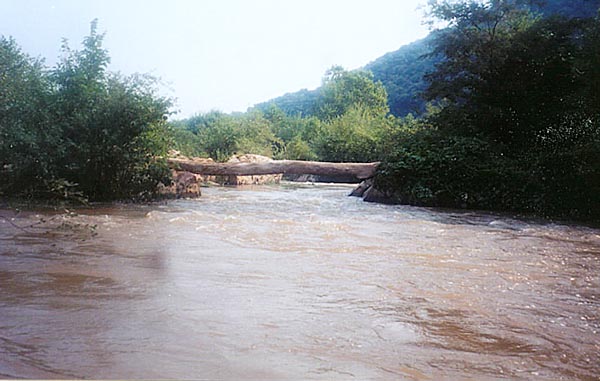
column 221, row 54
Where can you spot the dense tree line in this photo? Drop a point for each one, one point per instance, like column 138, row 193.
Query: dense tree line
column 300, row 103
column 566, row 8
column 77, row 130
column 348, row 123
column 517, row 118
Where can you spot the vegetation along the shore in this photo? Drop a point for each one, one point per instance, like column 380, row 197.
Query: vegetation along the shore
column 77, row 131
column 498, row 110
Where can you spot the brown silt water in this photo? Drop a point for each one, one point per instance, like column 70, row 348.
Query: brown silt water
column 296, row 282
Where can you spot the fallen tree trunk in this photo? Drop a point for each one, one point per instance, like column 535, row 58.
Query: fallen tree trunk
column 294, row 167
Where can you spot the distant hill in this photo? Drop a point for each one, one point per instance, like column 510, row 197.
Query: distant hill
column 570, row 8
column 402, row 71
column 298, row 103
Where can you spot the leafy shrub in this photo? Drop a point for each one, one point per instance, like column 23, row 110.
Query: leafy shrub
column 78, row 129
column 355, row 136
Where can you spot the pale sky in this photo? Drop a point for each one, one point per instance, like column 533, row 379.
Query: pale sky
column 221, row 54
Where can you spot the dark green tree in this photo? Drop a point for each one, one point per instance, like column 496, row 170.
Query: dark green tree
column 507, row 74
column 28, row 139
column 355, row 136
column 517, row 126
column 113, row 126
column 301, row 103
column 402, row 74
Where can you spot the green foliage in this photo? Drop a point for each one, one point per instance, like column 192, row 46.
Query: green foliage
column 27, row 140
column 402, row 71
column 428, row 168
column 350, row 125
column 220, row 136
column 294, row 134
column 475, row 45
column 78, row 129
column 518, row 123
column 402, row 74
column 300, row 103
column 256, row 136
column 298, row 149
column 340, row 90
column 355, row 136
column 509, row 76
column 343, row 90
column 185, row 141
column 568, row 8
column 431, row 168
column 287, row 127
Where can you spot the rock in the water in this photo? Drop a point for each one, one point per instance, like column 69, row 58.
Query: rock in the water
column 184, row 185
column 370, row 193
column 375, row 195
column 362, row 188
column 187, row 185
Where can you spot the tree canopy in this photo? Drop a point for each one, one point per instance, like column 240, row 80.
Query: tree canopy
column 517, row 121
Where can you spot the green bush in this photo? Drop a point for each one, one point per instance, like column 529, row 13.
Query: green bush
column 429, row 167
column 355, row 136
column 78, row 129
column 29, row 143
column 298, row 149
column 219, row 136
column 519, row 132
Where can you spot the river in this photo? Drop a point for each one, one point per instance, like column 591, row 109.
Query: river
column 296, row 282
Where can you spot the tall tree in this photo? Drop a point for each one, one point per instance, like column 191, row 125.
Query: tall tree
column 507, row 73
column 474, row 44
column 342, row 90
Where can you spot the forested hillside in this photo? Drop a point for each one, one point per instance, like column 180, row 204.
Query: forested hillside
column 348, row 122
column 299, row 103
column 568, row 8
column 401, row 72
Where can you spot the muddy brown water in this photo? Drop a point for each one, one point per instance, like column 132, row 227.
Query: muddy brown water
column 296, row 282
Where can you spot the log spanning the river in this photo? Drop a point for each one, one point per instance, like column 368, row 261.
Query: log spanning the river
column 292, row 167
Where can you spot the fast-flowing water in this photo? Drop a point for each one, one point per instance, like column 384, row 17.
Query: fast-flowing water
column 295, row 282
